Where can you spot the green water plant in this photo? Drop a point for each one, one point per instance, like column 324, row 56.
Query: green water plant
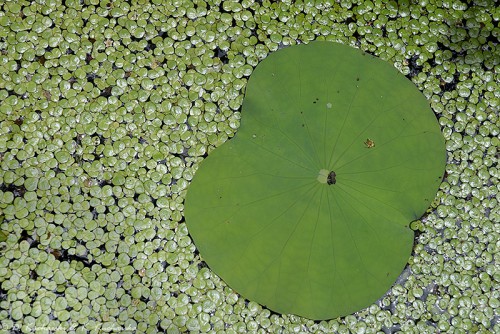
column 307, row 209
column 78, row 117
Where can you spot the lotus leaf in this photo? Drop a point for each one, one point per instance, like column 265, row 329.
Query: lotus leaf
column 307, row 209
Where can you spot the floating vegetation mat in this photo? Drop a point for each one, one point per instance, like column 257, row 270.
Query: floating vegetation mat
column 108, row 108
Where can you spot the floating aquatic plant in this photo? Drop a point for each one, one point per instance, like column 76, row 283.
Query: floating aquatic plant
column 307, row 209
column 79, row 116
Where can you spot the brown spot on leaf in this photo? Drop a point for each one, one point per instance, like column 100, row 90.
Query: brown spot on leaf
column 332, row 178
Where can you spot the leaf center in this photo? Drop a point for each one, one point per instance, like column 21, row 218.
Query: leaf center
column 326, row 176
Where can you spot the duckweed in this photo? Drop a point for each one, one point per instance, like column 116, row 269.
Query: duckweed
column 108, row 107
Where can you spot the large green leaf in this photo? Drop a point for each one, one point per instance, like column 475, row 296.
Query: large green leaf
column 306, row 210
